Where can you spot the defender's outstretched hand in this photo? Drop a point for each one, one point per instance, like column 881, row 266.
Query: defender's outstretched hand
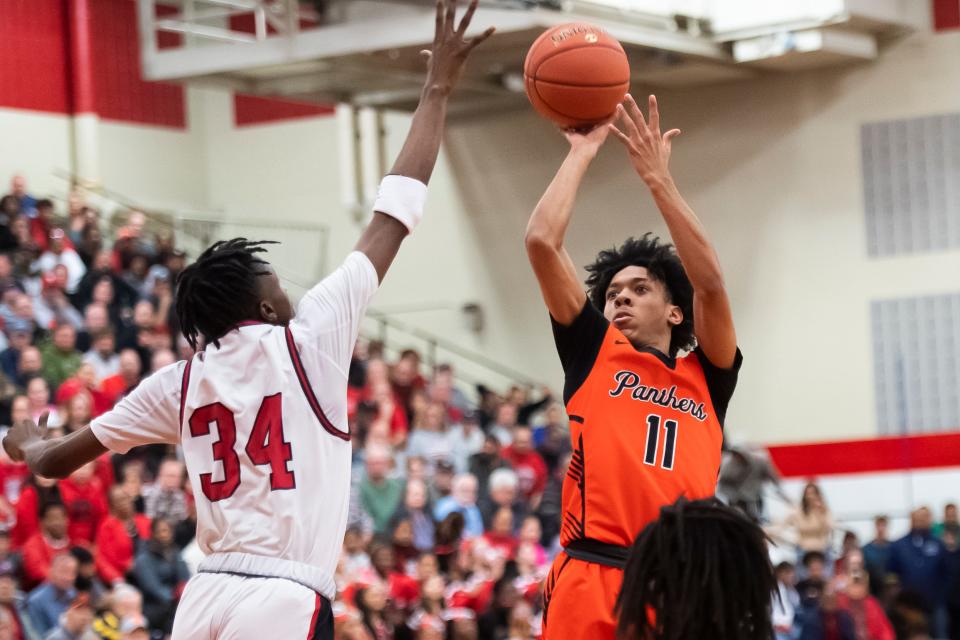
column 23, row 433
column 450, row 47
column 648, row 148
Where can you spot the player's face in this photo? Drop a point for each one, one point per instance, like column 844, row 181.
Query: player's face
column 275, row 306
column 638, row 305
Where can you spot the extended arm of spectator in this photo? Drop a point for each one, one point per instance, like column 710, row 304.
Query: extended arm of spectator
column 526, row 411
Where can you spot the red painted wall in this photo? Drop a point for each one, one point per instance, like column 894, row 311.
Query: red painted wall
column 35, row 63
column 33, row 55
column 254, row 110
column 121, row 93
column 946, row 14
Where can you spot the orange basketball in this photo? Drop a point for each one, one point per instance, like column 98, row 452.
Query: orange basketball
column 576, row 74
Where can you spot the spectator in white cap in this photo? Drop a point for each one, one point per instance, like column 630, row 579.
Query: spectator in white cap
column 58, row 252
column 134, row 628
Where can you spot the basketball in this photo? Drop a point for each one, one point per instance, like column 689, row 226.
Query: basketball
column 576, row 74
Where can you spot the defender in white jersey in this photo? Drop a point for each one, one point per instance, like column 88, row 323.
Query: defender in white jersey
column 260, row 410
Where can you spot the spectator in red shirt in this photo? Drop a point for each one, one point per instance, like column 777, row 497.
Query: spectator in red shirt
column 82, row 388
column 47, row 543
column 71, row 389
column 103, row 470
column 390, row 411
column 83, row 495
column 42, row 225
column 868, row 616
column 527, row 463
column 403, row 590
column 119, row 536
column 13, row 474
column 406, row 378
column 500, row 539
column 37, row 493
column 115, row 387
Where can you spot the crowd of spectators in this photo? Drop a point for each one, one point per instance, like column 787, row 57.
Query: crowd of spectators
column 85, row 315
column 455, row 506
column 903, row 589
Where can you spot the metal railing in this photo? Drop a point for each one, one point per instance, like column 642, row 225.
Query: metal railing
column 196, row 230
column 469, row 366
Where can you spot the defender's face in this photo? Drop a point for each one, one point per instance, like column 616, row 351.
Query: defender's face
column 274, row 295
column 639, row 307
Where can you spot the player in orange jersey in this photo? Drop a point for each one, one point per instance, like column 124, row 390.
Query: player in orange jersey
column 646, row 421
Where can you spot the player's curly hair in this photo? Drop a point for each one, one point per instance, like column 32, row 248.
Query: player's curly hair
column 219, row 290
column 663, row 264
column 701, row 570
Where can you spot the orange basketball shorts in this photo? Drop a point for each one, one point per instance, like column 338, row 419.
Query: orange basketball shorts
column 578, row 600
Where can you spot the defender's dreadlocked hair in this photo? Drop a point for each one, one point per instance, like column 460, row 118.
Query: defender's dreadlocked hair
column 700, row 571
column 663, row 265
column 219, row 290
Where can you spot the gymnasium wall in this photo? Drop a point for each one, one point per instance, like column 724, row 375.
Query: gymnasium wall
column 772, row 166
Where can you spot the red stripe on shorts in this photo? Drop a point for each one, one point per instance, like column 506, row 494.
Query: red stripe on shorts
column 316, row 616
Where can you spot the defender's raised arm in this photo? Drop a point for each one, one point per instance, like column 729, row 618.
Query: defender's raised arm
column 402, row 193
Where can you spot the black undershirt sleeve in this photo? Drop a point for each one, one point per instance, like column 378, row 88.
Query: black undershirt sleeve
column 578, row 345
column 720, row 382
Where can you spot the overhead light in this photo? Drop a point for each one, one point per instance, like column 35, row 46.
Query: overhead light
column 514, row 82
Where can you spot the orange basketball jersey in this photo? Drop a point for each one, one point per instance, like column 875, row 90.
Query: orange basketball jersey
column 646, row 429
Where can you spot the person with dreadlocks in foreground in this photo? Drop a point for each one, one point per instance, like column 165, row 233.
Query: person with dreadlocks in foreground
column 646, row 421
column 701, row 570
column 261, row 411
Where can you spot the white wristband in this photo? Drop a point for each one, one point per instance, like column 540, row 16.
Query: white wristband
column 402, row 198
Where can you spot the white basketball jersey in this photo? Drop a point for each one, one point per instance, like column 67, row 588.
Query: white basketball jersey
column 262, row 420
